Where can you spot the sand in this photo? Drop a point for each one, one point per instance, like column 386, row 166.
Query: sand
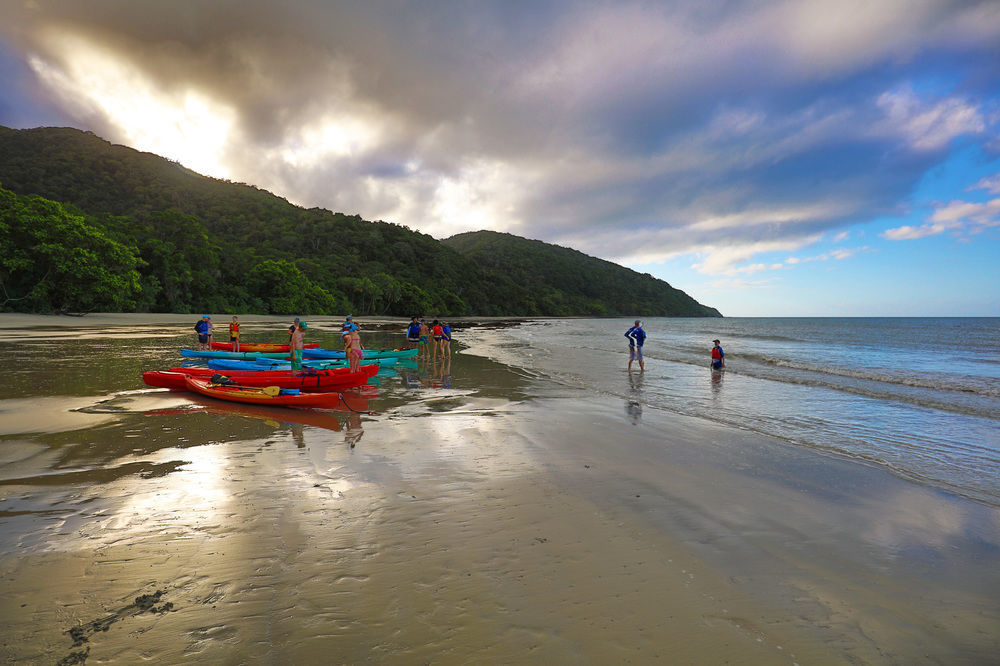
column 501, row 520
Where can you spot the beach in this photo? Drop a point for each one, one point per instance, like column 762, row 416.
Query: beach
column 484, row 513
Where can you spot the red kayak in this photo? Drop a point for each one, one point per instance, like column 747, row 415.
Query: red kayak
column 259, row 346
column 335, row 379
column 266, row 395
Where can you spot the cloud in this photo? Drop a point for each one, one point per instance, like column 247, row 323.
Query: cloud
column 991, row 184
column 837, row 255
column 955, row 216
column 633, row 131
column 929, row 126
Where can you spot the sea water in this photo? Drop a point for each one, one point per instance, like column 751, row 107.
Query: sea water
column 917, row 396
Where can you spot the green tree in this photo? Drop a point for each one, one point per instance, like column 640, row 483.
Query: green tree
column 51, row 260
column 283, row 289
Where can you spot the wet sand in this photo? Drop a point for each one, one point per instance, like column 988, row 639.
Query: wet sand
column 486, row 517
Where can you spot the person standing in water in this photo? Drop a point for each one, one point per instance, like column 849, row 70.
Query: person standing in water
column 297, row 344
column 425, row 333
column 438, row 332
column 202, row 328
column 446, row 339
column 234, row 334
column 636, row 337
column 413, row 332
column 354, row 349
column 718, row 356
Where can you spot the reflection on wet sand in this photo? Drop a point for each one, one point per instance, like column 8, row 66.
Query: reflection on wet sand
column 633, row 404
column 354, row 429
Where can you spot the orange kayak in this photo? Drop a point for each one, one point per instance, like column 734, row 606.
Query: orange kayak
column 268, row 395
column 259, row 346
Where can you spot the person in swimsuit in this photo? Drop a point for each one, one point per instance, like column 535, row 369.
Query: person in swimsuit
column 425, row 351
column 297, row 343
column 355, row 352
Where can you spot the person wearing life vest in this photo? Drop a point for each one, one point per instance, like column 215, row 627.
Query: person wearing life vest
column 446, row 340
column 438, row 332
column 204, row 330
column 636, row 337
column 234, row 334
column 413, row 331
column 718, row 356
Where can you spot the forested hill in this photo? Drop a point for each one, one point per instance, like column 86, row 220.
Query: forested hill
column 86, row 225
column 549, row 276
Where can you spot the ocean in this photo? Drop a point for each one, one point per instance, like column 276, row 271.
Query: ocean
column 919, row 397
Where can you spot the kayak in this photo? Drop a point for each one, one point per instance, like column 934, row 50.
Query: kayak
column 317, row 418
column 405, row 352
column 253, row 366
column 259, row 346
column 267, row 395
column 333, row 363
column 240, row 355
column 274, row 364
column 317, row 380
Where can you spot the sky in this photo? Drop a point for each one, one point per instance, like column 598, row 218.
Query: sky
column 806, row 158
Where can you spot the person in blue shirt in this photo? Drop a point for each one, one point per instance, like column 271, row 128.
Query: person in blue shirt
column 446, row 342
column 636, row 337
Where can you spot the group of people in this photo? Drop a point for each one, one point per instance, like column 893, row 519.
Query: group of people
column 429, row 339
column 204, row 329
column 637, row 337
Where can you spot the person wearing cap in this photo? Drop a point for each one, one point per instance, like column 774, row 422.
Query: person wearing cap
column 204, row 330
column 297, row 343
column 291, row 329
column 718, row 356
column 349, row 324
column 636, row 338
column 353, row 349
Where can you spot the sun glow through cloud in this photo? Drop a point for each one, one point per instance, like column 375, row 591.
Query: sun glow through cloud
column 186, row 125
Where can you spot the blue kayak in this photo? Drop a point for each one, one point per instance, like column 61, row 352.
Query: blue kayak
column 317, row 362
column 232, row 364
column 263, row 365
column 406, row 352
column 240, row 356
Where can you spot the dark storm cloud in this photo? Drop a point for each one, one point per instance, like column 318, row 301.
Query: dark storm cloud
column 696, row 126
